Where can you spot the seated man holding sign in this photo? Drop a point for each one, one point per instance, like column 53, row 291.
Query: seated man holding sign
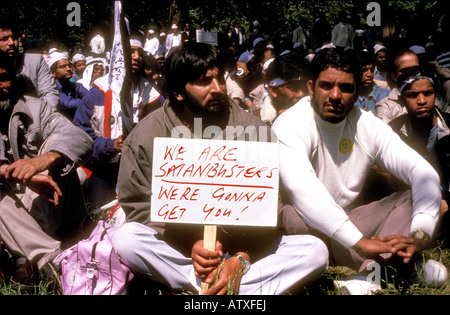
column 246, row 259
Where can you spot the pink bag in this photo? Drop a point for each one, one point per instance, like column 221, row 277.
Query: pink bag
column 93, row 267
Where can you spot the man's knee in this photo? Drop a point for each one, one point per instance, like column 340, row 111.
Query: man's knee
column 124, row 236
column 319, row 252
column 310, row 247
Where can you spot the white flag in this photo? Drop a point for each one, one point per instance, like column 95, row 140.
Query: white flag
column 120, row 68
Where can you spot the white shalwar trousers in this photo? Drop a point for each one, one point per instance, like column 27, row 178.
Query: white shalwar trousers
column 298, row 260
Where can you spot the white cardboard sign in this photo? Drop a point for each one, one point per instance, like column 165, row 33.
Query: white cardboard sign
column 215, row 182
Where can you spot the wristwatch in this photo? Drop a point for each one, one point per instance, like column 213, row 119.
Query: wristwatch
column 420, row 235
column 245, row 263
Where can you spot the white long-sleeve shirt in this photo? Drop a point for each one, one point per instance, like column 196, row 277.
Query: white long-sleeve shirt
column 97, row 44
column 151, row 46
column 323, row 167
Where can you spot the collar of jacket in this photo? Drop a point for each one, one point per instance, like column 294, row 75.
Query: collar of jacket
column 20, row 109
column 403, row 125
column 394, row 94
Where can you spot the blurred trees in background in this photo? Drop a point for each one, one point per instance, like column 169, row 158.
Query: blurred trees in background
column 46, row 19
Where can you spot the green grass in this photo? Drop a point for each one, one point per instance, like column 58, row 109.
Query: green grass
column 42, row 288
column 393, row 283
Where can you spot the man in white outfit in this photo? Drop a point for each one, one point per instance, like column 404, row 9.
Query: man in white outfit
column 97, row 44
column 151, row 43
column 328, row 146
column 262, row 260
column 173, row 40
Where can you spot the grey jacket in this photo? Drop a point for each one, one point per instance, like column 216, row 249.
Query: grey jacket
column 135, row 178
column 390, row 108
column 40, row 83
column 137, row 153
column 33, row 123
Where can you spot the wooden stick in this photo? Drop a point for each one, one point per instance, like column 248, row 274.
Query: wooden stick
column 209, row 243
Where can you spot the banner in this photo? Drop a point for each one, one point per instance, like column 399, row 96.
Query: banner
column 120, row 70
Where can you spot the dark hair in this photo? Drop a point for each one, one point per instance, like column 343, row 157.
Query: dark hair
column 365, row 58
column 288, row 67
column 7, row 63
column 53, row 67
column 395, row 55
column 336, row 58
column 149, row 62
column 187, row 63
column 9, row 24
column 412, row 73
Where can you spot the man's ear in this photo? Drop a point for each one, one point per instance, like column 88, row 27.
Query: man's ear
column 273, row 91
column 310, row 86
column 393, row 77
column 179, row 97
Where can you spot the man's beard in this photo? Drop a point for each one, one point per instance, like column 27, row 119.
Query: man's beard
column 216, row 108
column 5, row 104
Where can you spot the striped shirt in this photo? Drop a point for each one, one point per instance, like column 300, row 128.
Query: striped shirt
column 444, row 60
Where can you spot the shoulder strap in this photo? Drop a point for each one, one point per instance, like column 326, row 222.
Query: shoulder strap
column 94, row 248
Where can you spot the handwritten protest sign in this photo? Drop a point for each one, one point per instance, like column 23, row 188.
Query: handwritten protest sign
column 214, row 182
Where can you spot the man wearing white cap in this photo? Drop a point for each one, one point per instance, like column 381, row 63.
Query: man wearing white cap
column 173, row 40
column 100, row 116
column 79, row 64
column 30, row 65
column 95, row 68
column 151, row 43
column 381, row 67
column 70, row 93
column 162, row 46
